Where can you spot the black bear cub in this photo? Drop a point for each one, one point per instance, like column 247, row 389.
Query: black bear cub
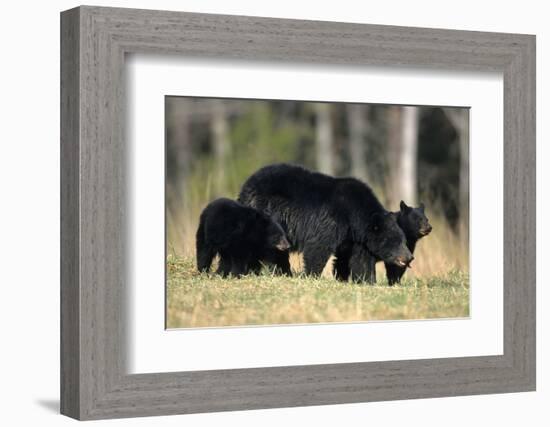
column 242, row 236
column 415, row 225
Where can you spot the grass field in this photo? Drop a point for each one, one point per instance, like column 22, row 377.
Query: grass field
column 207, row 300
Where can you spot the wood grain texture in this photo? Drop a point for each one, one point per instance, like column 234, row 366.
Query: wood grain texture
column 95, row 235
column 70, row 257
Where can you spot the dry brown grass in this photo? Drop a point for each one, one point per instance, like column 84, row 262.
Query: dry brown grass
column 208, row 300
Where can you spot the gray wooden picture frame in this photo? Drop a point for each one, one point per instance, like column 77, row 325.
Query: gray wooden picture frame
column 94, row 382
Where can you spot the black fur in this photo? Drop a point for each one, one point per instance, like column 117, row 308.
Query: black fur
column 240, row 235
column 322, row 215
column 415, row 225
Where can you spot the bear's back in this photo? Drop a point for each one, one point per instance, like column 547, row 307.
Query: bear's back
column 223, row 207
column 357, row 195
column 297, row 185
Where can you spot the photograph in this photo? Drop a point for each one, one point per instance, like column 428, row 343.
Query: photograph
column 295, row 212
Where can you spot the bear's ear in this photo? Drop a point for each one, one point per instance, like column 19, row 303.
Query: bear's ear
column 421, row 207
column 403, row 207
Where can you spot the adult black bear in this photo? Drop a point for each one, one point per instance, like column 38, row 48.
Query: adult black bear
column 240, row 235
column 415, row 225
column 322, row 215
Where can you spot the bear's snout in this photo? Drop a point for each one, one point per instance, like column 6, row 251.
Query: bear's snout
column 426, row 230
column 404, row 260
column 283, row 244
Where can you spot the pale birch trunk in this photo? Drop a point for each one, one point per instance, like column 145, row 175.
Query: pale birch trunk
column 324, row 139
column 408, row 155
column 393, row 193
column 358, row 128
column 180, row 138
column 220, row 139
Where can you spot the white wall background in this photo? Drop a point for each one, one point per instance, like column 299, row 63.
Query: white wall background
column 29, row 214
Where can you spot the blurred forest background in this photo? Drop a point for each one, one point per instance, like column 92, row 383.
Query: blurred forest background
column 415, row 154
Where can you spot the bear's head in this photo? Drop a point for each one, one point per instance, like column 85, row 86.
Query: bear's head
column 275, row 236
column 413, row 221
column 386, row 240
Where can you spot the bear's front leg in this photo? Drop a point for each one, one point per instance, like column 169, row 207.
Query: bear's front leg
column 205, row 251
column 341, row 269
column 281, row 261
column 341, row 263
column 362, row 265
column 315, row 258
column 394, row 273
column 254, row 266
column 224, row 267
column 239, row 266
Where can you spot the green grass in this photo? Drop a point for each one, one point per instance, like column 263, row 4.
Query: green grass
column 208, row 300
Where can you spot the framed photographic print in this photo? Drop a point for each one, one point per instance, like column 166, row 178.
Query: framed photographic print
column 262, row 213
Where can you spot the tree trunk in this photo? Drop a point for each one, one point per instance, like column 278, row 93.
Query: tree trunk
column 402, row 155
column 324, row 139
column 358, row 127
column 178, row 111
column 220, row 140
column 393, row 123
column 408, row 155
column 460, row 119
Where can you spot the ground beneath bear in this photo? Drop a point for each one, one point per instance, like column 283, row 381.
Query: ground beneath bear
column 207, row 300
